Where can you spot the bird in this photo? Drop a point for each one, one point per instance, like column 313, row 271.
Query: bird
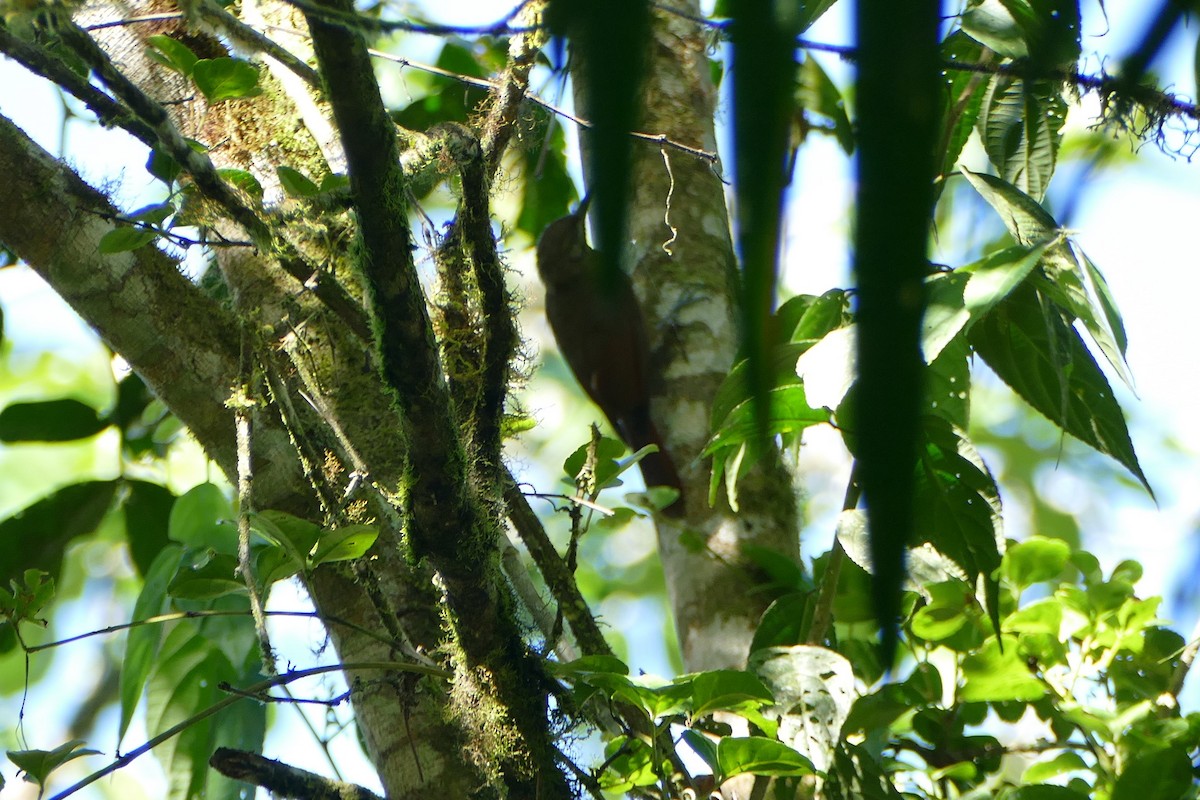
column 598, row 325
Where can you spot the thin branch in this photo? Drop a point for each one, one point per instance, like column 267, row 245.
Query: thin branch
column 210, row 182
column 284, row 780
column 180, row 615
column 554, row 571
column 661, row 139
column 352, row 21
column 108, row 111
column 222, row 704
column 246, row 35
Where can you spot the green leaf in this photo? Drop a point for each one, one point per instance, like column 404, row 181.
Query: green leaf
column 298, row 536
column 1044, row 360
column 1046, row 792
column 186, row 680
column 962, row 98
column 38, row 764
column 959, row 299
column 1163, row 773
column 1026, row 220
column 1048, row 768
column 758, row 755
column 202, row 518
column 945, row 612
column 990, row 675
column 147, row 518
column 1072, row 281
column 703, row 746
column 125, row 239
column 785, row 622
column 62, row 420
column 142, row 642
column 243, row 180
column 1021, row 123
column 814, row 688
column 163, row 166
column 815, row 92
column 225, row 79
column 727, row 689
column 211, row 578
column 1034, row 560
column 958, row 506
column 608, row 467
column 990, row 23
column 343, row 544
column 171, row 53
column 37, row 537
column 296, row 183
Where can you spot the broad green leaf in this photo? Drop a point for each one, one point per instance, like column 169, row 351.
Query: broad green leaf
column 726, row 690
column 945, row 612
column 758, row 755
column 816, row 93
column 147, row 509
column 296, row 183
column 62, row 420
column 608, row 466
column 38, row 764
column 142, row 642
column 343, row 544
column 1045, row 362
column 1042, row 617
column 212, row 577
column 273, row 563
column 959, row 299
column 171, row 53
column 990, row 675
column 297, row 537
column 202, row 518
column 1026, row 220
column 225, row 78
column 814, row 690
column 1034, row 560
column 125, row 239
column 38, row 536
column 1164, row 774
column 587, row 665
column 948, row 384
column 1046, row 791
column 1020, row 123
column 990, row 23
column 1052, row 767
column 703, row 746
column 1072, row 281
column 821, row 316
column 962, row 97
column 243, row 180
column 186, row 680
column 630, row 762
column 958, row 507
column 785, row 622
column 163, row 167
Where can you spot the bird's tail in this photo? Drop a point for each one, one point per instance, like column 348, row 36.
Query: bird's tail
column 658, row 469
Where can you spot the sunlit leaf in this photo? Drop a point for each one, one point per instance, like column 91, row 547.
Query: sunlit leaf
column 1045, row 362
column 225, row 79
column 991, row 675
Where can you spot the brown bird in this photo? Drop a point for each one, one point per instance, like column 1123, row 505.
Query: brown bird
column 598, row 325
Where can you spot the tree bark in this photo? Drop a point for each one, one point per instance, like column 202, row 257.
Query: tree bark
column 685, row 272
